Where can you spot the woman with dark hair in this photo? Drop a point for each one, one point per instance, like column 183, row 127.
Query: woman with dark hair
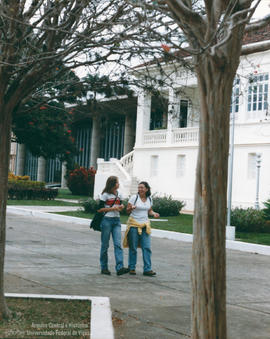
column 139, row 229
column 111, row 204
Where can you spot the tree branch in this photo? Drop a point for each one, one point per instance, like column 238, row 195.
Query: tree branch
column 256, row 25
column 261, row 47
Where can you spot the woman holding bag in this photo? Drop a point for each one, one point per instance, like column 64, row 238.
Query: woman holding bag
column 111, row 205
column 139, row 229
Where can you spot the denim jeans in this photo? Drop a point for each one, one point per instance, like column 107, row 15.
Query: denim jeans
column 145, row 241
column 111, row 226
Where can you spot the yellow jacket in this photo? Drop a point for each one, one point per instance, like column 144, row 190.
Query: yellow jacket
column 131, row 222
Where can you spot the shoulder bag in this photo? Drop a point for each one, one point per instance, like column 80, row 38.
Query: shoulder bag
column 96, row 221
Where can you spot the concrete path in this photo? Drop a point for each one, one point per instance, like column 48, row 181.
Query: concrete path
column 56, row 257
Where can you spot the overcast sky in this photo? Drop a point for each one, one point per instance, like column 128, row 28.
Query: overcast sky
column 263, row 9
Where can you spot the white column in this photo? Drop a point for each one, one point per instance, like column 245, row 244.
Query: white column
column 258, row 166
column 95, row 141
column 20, row 159
column 173, row 113
column 41, row 170
column 129, row 134
column 63, row 175
column 143, row 116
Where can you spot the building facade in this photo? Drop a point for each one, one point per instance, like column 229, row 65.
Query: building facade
column 166, row 147
column 107, row 132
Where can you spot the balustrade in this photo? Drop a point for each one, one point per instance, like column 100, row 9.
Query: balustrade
column 188, row 135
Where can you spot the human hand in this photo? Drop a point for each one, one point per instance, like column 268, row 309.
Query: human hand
column 119, row 208
column 156, row 215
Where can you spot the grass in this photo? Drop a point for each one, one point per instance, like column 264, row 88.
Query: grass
column 46, row 318
column 255, row 238
column 41, row 203
column 66, row 194
column 182, row 224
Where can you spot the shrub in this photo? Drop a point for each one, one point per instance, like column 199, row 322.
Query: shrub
column 81, row 181
column 249, row 220
column 166, row 206
column 12, row 176
column 266, row 210
column 124, row 210
column 29, row 190
column 90, row 205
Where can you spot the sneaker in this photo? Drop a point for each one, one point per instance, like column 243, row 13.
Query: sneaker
column 132, row 272
column 105, row 271
column 122, row 270
column 149, row 273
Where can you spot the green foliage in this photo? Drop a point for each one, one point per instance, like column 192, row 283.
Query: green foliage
column 249, row 220
column 266, row 210
column 81, row 181
column 90, row 205
column 124, row 210
column 29, row 190
column 96, row 84
column 46, row 130
column 166, row 206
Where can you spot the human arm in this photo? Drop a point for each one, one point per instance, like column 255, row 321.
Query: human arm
column 153, row 214
column 130, row 207
column 101, row 207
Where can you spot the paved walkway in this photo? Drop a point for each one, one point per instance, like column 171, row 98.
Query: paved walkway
column 57, row 257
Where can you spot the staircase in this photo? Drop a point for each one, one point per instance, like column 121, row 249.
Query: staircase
column 134, row 185
column 123, row 169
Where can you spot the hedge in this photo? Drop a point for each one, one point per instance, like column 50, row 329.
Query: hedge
column 165, row 206
column 30, row 190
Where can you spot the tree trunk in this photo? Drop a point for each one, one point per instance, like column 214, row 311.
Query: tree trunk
column 5, row 128
column 208, row 253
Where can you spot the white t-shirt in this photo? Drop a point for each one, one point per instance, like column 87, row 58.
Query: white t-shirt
column 140, row 213
column 109, row 198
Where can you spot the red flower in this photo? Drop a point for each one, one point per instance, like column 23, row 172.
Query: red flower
column 166, row 48
column 67, row 152
column 69, row 131
column 42, row 107
column 30, row 123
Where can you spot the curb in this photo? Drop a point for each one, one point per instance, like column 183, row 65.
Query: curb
column 230, row 244
column 101, row 317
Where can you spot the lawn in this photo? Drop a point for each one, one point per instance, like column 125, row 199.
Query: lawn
column 64, row 193
column 46, row 318
column 182, row 224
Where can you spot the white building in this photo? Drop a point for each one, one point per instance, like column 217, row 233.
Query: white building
column 165, row 151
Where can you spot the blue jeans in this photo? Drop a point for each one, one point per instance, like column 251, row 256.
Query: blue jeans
column 111, row 226
column 145, row 241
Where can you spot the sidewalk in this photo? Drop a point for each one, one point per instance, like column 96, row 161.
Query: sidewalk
column 61, row 257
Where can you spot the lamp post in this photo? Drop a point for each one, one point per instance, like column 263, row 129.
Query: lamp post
column 258, row 167
column 230, row 230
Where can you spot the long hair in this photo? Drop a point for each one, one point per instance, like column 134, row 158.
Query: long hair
column 110, row 184
column 146, row 185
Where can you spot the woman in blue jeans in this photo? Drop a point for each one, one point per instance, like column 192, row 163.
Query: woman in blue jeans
column 111, row 204
column 139, row 229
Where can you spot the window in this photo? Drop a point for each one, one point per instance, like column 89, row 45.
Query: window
column 159, row 112
column 235, row 96
column 154, row 166
column 183, row 113
column 180, row 165
column 258, row 93
column 251, row 165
